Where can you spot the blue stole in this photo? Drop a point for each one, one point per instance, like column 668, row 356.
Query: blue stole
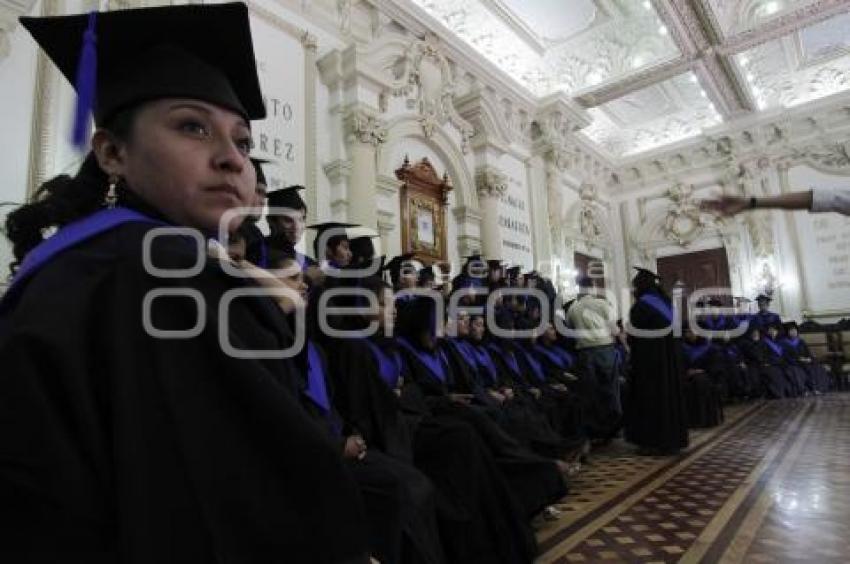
column 536, row 368
column 696, row 352
column 316, row 386
column 658, row 304
column 465, row 350
column 773, row 346
column 67, row 237
column 507, row 356
column 559, row 357
column 794, row 343
column 432, row 361
column 485, row 362
column 388, row 367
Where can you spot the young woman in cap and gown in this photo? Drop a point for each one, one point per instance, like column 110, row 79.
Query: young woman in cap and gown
column 399, row 500
column 704, row 380
column 764, row 365
column 797, row 353
column 795, row 376
column 287, row 217
column 117, row 443
column 657, row 421
column 479, row 516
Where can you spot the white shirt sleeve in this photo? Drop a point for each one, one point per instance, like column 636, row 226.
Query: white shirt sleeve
column 831, row 200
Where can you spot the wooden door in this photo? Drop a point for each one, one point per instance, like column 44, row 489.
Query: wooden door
column 693, row 271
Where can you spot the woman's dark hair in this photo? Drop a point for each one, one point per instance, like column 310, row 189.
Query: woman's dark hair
column 64, row 199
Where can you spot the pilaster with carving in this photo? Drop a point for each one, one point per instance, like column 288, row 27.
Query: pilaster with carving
column 311, row 47
column 423, row 77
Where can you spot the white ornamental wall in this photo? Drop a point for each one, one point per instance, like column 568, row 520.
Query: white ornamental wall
column 823, row 246
column 515, row 214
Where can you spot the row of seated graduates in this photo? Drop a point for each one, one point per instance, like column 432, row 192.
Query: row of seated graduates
column 456, row 447
column 753, row 355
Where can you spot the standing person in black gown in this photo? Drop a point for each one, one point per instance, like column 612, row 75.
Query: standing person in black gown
column 116, row 444
column 657, row 421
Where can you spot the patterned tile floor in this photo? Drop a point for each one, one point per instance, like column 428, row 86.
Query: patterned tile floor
column 770, row 485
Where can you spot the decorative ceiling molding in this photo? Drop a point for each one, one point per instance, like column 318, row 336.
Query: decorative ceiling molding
column 786, row 24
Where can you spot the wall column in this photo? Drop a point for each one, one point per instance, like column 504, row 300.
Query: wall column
column 490, row 184
column 364, row 135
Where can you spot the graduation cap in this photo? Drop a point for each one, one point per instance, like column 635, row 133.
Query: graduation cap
column 763, row 298
column 513, row 272
column 121, row 58
column 333, row 233
column 288, row 197
column 258, row 168
column 645, row 276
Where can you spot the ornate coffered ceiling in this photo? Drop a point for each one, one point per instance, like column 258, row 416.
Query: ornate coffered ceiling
column 657, row 72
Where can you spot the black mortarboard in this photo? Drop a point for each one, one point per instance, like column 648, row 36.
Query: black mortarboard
column 201, row 52
column 333, row 232
column 763, row 298
column 645, row 276
column 646, row 273
column 495, row 263
column 287, row 198
column 513, row 272
column 258, row 168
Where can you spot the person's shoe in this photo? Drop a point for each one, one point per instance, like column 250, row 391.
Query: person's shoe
column 551, row 514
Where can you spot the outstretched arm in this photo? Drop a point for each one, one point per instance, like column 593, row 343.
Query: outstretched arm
column 731, row 205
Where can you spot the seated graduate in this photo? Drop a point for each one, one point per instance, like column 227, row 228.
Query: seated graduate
column 741, row 384
column 399, row 500
column 797, row 354
column 116, row 444
column 287, row 216
column 480, row 518
column 525, row 412
column 562, row 407
column 704, row 380
column 794, row 374
column 765, row 364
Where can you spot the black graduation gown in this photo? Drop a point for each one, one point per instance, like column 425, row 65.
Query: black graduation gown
column 739, row 382
column 562, row 407
column 795, row 376
column 117, row 446
column 656, row 418
column 399, row 500
column 767, row 368
column 703, row 392
column 526, row 417
column 817, row 378
column 535, row 480
column 480, row 520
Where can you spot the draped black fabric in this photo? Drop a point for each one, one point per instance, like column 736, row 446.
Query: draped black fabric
column 525, row 417
column 704, row 391
column 534, row 479
column 117, row 446
column 797, row 354
column 656, row 416
column 480, row 516
column 777, row 381
column 399, row 500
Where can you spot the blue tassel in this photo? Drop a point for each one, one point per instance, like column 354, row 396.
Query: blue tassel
column 86, row 85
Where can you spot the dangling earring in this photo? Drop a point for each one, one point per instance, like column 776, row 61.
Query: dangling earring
column 111, row 196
